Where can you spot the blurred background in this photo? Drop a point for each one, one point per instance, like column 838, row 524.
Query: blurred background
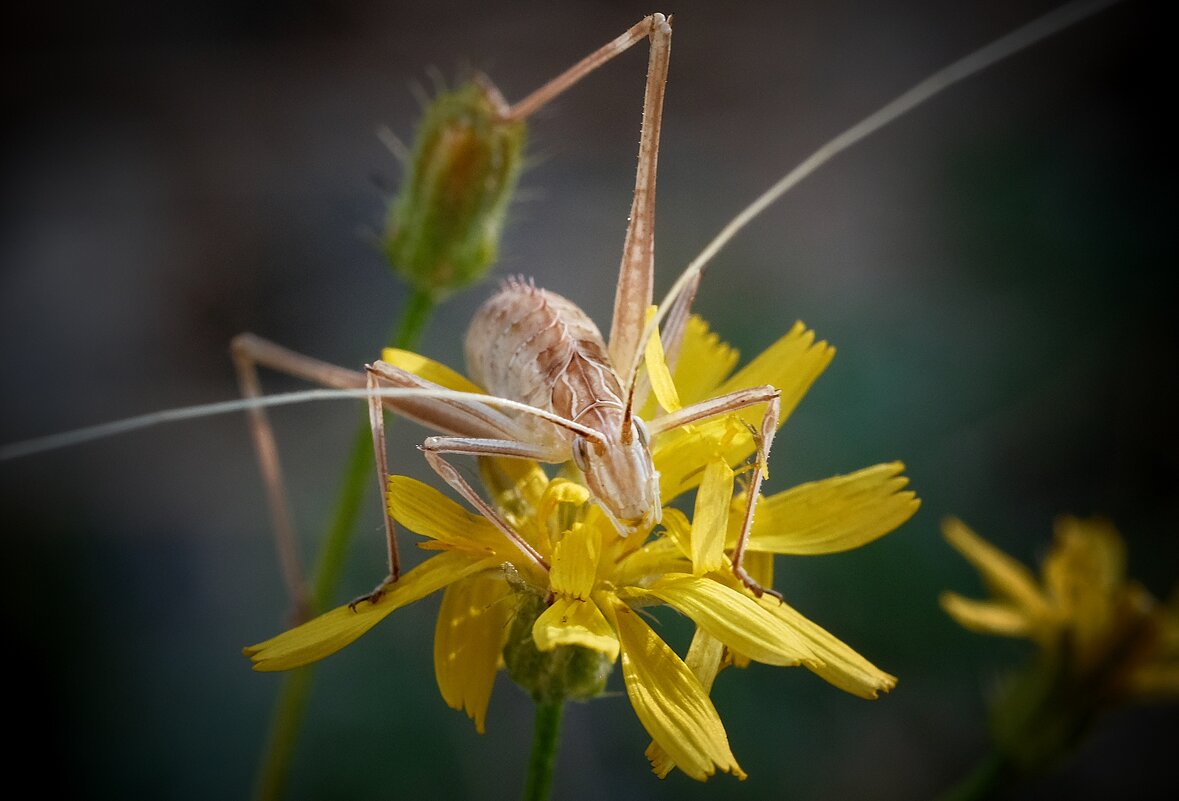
column 989, row 268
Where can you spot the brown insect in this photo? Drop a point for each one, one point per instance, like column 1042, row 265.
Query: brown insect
column 574, row 392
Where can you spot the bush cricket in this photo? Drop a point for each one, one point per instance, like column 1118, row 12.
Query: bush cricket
column 582, row 388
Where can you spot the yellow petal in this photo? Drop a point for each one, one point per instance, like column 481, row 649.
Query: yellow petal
column 333, row 630
column 1003, row 575
column 841, row 666
column 664, row 554
column 423, row 509
column 704, row 660
column 1084, row 573
column 760, row 567
column 561, row 506
column 515, row 487
column 836, row 514
column 679, row 454
column 679, row 530
column 791, row 364
column 562, row 492
column 705, row 361
column 711, row 518
column 987, row 617
column 660, row 377
column 575, row 562
column 1158, row 678
column 468, row 640
column 428, row 369
column 572, row 622
column 669, row 701
column 732, row 617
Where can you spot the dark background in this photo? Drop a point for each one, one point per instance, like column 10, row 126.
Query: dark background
column 989, row 267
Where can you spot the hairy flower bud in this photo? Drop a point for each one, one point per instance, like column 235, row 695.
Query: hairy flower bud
column 444, row 227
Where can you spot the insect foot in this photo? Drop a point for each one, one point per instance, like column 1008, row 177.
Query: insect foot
column 752, row 585
column 373, row 596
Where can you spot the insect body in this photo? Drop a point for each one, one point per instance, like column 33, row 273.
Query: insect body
column 574, row 392
column 539, row 348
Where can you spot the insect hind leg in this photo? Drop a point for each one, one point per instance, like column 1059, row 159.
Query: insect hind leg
column 248, row 352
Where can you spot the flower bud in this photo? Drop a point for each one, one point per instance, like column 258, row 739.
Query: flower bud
column 444, row 227
column 567, row 671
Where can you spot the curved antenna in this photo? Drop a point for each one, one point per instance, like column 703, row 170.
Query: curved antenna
column 78, row 436
column 1005, row 46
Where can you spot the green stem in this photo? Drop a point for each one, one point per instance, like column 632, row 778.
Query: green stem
column 283, row 735
column 982, row 782
column 413, row 319
column 291, row 705
column 545, row 738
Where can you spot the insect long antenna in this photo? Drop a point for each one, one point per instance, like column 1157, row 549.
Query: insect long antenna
column 1005, row 46
column 78, row 436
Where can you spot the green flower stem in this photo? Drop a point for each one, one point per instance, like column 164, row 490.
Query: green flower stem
column 984, row 781
column 413, row 319
column 545, row 738
column 291, row 707
column 285, row 723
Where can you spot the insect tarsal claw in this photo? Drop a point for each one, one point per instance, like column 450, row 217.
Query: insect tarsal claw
column 373, row 596
column 752, row 585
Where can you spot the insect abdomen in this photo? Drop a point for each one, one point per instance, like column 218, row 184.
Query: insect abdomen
column 523, row 342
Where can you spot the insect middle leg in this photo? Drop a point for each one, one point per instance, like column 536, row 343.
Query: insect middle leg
column 735, row 401
column 434, row 447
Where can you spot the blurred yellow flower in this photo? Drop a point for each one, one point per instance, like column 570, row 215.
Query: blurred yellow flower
column 1102, row 638
column 559, row 631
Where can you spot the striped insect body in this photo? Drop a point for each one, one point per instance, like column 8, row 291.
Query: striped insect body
column 537, row 347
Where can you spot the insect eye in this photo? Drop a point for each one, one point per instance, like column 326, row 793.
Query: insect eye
column 580, row 454
column 641, row 432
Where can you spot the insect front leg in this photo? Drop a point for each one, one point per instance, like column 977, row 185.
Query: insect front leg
column 735, row 401
column 249, row 351
column 434, row 447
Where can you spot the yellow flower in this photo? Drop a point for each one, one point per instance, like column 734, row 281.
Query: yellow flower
column 1102, row 639
column 559, row 631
